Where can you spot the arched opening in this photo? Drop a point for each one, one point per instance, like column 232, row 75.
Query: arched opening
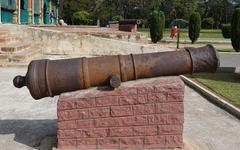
column 22, row 4
column 45, row 16
column 24, row 11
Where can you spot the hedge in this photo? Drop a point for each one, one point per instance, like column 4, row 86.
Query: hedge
column 157, row 24
column 194, row 27
column 226, row 31
column 235, row 38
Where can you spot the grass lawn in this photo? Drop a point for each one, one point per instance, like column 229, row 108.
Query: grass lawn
column 224, row 84
column 184, row 33
column 227, row 50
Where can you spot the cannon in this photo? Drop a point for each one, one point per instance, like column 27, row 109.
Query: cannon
column 130, row 21
column 48, row 78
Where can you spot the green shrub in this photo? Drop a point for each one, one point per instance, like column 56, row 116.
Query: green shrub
column 144, row 23
column 83, row 22
column 117, row 18
column 207, row 23
column 194, row 27
column 226, row 31
column 236, row 30
column 157, row 24
column 82, row 18
column 81, row 15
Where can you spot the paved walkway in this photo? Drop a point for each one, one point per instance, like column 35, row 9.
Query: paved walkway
column 25, row 122
column 230, row 60
column 203, row 40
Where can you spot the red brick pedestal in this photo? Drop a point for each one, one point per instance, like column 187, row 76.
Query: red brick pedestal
column 145, row 114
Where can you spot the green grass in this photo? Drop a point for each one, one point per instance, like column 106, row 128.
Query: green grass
column 226, row 50
column 184, row 33
column 224, row 84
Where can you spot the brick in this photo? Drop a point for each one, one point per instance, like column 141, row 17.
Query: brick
column 133, row 99
column 169, row 108
column 126, row 91
column 107, row 101
column 67, row 144
column 72, row 114
column 175, row 119
column 134, row 121
column 67, row 104
column 131, row 142
column 107, row 122
column 99, row 112
column 154, row 142
column 158, row 119
column 108, row 143
column 170, row 129
column 121, row 132
column 118, row 91
column 157, row 97
column 145, row 89
column 86, row 103
column 87, row 144
column 67, row 125
column 174, row 87
column 84, row 123
column 144, row 109
column 175, row 96
column 121, row 111
column 145, row 130
column 95, row 133
column 121, row 121
column 174, row 141
column 61, row 134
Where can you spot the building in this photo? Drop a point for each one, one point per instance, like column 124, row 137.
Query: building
column 28, row 11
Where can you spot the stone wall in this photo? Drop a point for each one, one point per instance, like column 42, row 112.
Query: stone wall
column 145, row 114
column 60, row 43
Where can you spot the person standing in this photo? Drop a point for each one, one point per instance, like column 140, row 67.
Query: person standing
column 174, row 32
column 51, row 16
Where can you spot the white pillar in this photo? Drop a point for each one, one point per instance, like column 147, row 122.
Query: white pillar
column 19, row 11
column 42, row 11
column 0, row 12
column 33, row 12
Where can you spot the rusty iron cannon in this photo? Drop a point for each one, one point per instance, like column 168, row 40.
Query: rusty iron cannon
column 48, row 78
column 130, row 21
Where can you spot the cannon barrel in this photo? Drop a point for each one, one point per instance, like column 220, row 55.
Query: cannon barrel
column 129, row 21
column 48, row 78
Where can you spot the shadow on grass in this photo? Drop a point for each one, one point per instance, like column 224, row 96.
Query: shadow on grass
column 28, row 132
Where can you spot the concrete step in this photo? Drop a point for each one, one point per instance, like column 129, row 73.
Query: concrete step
column 26, row 55
column 4, row 33
column 4, row 57
column 13, row 64
column 6, row 39
column 15, row 47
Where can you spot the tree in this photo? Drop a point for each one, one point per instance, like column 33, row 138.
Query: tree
column 82, row 15
column 207, row 23
column 157, row 24
column 236, row 30
column 117, row 18
column 182, row 8
column 226, row 31
column 220, row 10
column 194, row 27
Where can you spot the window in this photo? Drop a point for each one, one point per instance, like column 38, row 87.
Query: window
column 22, row 4
column 10, row 2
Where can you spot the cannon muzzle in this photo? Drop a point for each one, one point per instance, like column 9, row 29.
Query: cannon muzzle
column 48, row 78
